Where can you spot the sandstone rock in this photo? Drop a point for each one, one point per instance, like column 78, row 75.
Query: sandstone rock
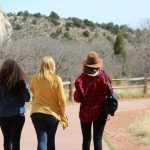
column 5, row 28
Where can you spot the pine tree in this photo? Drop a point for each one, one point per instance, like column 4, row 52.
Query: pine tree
column 119, row 46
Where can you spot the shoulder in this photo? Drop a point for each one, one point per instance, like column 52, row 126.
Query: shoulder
column 80, row 77
column 102, row 76
column 34, row 77
column 79, row 80
column 57, row 78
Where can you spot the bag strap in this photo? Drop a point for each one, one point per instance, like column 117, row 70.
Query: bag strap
column 108, row 82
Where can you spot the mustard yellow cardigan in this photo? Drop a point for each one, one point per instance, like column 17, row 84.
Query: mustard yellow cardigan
column 47, row 98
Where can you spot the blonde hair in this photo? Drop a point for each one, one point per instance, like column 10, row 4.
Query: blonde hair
column 47, row 69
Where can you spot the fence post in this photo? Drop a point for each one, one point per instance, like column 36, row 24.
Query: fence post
column 145, row 85
column 70, row 89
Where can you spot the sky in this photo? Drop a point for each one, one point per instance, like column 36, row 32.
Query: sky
column 129, row 12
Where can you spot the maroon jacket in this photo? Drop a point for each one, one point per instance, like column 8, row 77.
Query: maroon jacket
column 91, row 92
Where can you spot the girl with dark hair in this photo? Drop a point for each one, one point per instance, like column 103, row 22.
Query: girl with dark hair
column 14, row 93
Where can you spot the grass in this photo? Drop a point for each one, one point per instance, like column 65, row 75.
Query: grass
column 141, row 128
column 108, row 143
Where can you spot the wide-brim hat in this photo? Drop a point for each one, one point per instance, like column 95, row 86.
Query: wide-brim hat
column 93, row 60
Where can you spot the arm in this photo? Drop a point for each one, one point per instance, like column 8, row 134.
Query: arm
column 31, row 86
column 23, row 89
column 32, row 89
column 61, row 96
column 26, row 93
column 78, row 94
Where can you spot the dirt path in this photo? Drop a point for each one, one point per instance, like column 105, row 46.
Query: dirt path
column 71, row 138
column 116, row 131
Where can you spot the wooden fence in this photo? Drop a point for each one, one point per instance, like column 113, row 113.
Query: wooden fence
column 119, row 85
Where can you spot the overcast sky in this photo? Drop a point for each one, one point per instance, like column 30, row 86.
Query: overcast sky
column 130, row 12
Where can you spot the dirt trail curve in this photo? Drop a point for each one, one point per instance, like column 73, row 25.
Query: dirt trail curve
column 71, row 138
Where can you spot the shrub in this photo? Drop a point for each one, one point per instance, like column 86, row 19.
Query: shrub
column 18, row 27
column 55, row 22
column 77, row 22
column 67, row 36
column 20, row 13
column 34, row 22
column 26, row 13
column 89, row 23
column 86, row 33
column 37, row 15
column 54, row 35
column 54, row 15
column 59, row 30
column 68, row 25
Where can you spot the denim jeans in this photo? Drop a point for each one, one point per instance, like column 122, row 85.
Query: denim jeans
column 98, row 128
column 11, row 129
column 45, row 126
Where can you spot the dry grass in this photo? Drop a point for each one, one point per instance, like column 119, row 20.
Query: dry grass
column 141, row 128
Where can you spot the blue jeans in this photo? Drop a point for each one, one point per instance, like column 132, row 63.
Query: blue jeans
column 98, row 128
column 11, row 128
column 45, row 126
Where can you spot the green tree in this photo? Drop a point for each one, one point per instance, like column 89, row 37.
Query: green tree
column 37, row 15
column 20, row 13
column 54, row 15
column 119, row 46
column 26, row 13
column 77, row 22
column 89, row 23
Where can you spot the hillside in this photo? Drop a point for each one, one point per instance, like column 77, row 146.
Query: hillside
column 69, row 40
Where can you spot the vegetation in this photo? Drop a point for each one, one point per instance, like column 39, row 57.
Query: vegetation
column 54, row 15
column 68, row 25
column 34, row 21
column 47, row 38
column 67, row 36
column 18, row 27
column 37, row 15
column 86, row 33
column 140, row 127
column 89, row 23
column 119, row 46
column 76, row 22
column 54, row 21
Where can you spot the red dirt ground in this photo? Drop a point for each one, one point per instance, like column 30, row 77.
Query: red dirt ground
column 117, row 134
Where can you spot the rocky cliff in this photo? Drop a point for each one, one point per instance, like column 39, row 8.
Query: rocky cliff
column 5, row 28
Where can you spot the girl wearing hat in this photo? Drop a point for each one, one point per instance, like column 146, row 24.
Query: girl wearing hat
column 48, row 107
column 91, row 92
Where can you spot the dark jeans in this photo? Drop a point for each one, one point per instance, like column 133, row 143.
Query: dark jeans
column 11, row 128
column 98, row 128
column 45, row 126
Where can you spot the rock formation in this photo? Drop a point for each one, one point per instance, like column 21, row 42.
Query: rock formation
column 5, row 29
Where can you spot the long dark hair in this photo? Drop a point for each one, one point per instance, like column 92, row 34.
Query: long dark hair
column 10, row 74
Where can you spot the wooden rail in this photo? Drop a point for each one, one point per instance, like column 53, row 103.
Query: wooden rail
column 69, row 85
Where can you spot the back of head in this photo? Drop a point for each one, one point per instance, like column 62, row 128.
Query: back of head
column 10, row 74
column 47, row 68
column 92, row 63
